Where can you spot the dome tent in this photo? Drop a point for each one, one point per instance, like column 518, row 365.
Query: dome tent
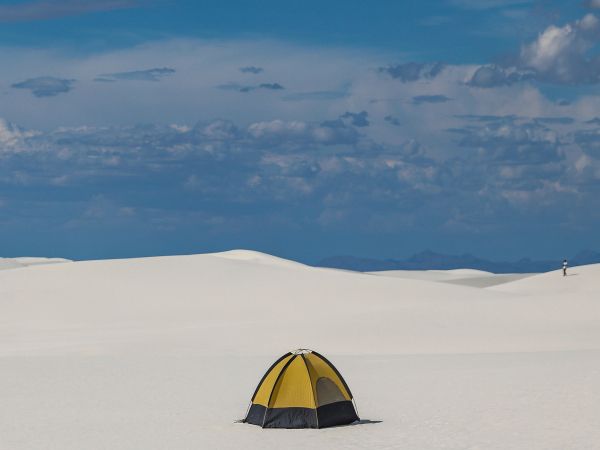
column 302, row 389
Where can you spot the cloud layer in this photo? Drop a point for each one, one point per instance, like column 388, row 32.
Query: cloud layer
column 261, row 137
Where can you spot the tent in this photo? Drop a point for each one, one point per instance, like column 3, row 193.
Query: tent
column 302, row 389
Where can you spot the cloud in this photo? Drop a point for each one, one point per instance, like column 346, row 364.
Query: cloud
column 592, row 4
column 12, row 136
column 555, row 120
column 223, row 177
column 249, row 88
column 271, row 86
column 175, row 99
column 413, row 71
column 492, row 75
column 392, row 120
column 421, row 99
column 560, row 54
column 155, row 74
column 45, row 10
column 316, row 96
column 46, row 86
column 252, row 69
column 514, row 140
column 276, row 132
column 357, row 119
column 270, row 161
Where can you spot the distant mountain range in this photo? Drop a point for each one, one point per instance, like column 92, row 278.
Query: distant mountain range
column 429, row 260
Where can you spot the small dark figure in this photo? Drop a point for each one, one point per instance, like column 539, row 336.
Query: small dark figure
column 565, row 265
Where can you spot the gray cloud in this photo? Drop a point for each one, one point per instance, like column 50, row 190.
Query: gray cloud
column 271, row 86
column 155, row 74
column 513, row 140
column 487, row 118
column 413, row 71
column 46, row 86
column 249, row 88
column 555, row 120
column 493, row 76
column 392, row 120
column 421, row 99
column 252, row 69
column 43, row 10
column 359, row 119
column 316, row 96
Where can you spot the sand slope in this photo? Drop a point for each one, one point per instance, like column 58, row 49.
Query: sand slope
column 165, row 352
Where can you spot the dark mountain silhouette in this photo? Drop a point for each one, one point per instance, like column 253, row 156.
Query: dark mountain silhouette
column 429, row 260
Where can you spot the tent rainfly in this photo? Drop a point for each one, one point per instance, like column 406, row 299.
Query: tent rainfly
column 302, row 389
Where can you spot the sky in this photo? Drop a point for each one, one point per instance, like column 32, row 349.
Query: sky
column 304, row 129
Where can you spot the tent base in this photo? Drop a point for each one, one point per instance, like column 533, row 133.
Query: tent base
column 338, row 413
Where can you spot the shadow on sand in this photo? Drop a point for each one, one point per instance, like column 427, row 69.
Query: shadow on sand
column 358, row 422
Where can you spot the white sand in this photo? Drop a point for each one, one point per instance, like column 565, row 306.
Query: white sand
column 464, row 277
column 164, row 353
column 15, row 263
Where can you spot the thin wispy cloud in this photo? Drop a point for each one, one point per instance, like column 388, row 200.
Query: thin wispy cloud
column 45, row 10
column 46, row 86
column 252, row 69
column 316, row 96
column 249, row 88
column 155, row 74
column 421, row 99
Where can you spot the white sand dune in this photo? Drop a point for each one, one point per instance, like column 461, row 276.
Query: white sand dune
column 165, row 352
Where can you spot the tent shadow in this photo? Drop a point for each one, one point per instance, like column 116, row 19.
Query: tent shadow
column 358, row 422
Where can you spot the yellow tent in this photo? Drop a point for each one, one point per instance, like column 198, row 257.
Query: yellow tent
column 302, row 389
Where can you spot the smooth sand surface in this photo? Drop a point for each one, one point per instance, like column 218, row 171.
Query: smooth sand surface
column 164, row 353
column 464, row 277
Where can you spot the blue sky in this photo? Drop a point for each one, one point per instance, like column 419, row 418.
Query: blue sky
column 304, row 129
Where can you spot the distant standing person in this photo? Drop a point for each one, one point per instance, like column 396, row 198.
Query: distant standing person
column 565, row 265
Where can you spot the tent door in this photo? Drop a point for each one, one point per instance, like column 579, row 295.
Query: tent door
column 328, row 392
